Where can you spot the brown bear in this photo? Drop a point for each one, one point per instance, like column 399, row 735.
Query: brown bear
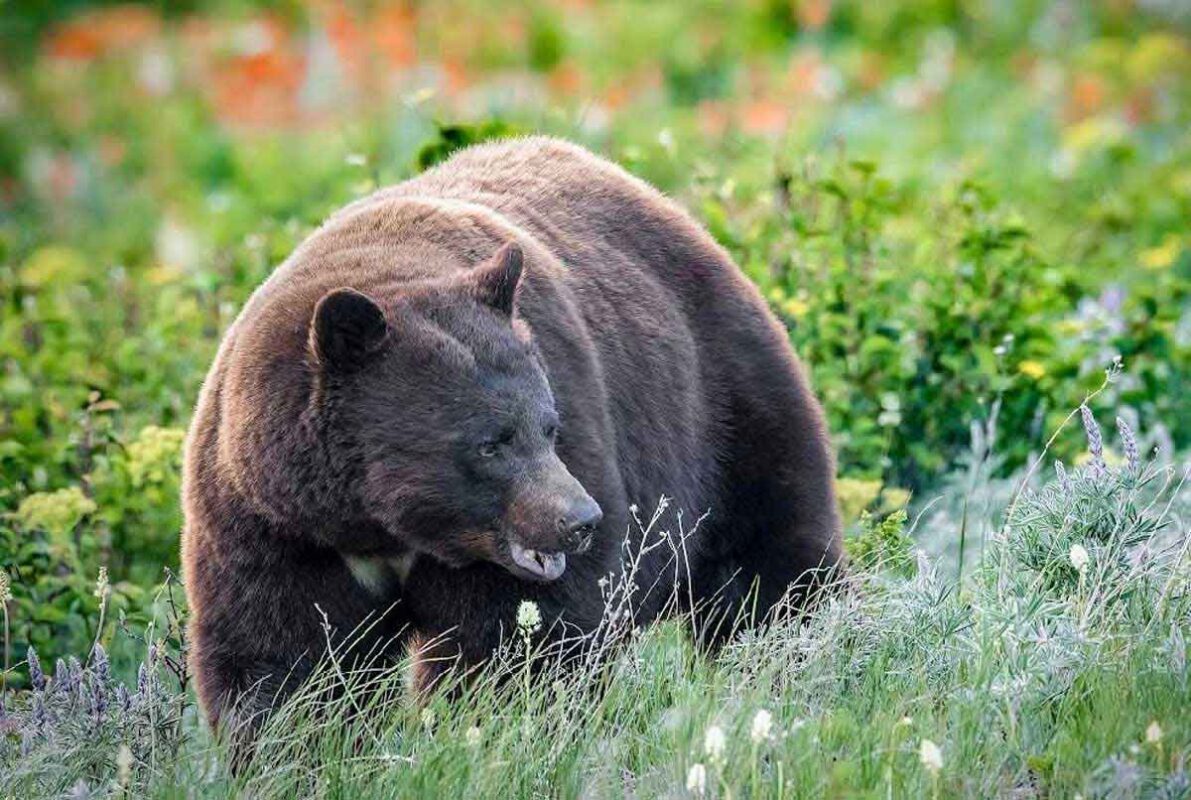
column 447, row 401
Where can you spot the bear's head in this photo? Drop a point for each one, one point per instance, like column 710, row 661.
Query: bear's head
column 441, row 405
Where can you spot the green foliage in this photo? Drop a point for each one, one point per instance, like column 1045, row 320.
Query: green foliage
column 882, row 544
column 452, row 137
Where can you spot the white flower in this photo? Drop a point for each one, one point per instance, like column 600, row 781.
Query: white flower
column 472, row 736
column 1079, row 558
column 930, row 755
column 355, row 160
column 904, row 722
column 714, row 743
column 124, row 763
column 529, row 616
column 1154, row 733
column 696, row 779
column 762, row 726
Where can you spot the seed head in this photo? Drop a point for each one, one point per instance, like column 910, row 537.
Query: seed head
column 931, row 756
column 762, row 727
column 714, row 743
column 102, row 587
column 529, row 617
column 696, row 779
column 1079, row 558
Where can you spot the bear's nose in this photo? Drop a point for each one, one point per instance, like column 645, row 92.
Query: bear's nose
column 578, row 525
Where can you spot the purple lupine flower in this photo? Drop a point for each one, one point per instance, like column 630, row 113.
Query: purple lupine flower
column 123, row 700
column 75, row 669
column 100, row 665
column 152, row 658
column 1129, row 443
column 99, row 701
column 1095, row 440
column 142, row 682
column 61, row 682
column 36, row 676
column 1064, row 481
column 39, row 716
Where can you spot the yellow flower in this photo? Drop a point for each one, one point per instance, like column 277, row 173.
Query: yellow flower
column 855, row 495
column 1032, row 369
column 56, row 513
column 155, row 454
column 54, row 265
column 795, row 307
column 1163, row 255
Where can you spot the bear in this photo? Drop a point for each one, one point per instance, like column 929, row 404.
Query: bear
column 454, row 396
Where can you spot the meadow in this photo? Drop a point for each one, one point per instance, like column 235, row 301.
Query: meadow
column 971, row 216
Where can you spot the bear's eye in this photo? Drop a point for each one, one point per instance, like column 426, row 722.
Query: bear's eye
column 551, row 431
column 492, row 447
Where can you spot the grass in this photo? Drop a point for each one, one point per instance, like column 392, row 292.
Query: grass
column 962, row 213
column 1057, row 667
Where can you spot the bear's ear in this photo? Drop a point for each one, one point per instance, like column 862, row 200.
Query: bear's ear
column 347, row 330
column 496, row 280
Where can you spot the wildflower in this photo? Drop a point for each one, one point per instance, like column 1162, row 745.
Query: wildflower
column 529, row 617
column 1079, row 558
column 124, row 762
column 904, row 722
column 102, row 586
column 930, row 755
column 5, row 587
column 696, row 779
column 123, row 699
column 428, row 719
column 36, row 676
column 762, row 727
column 142, row 682
column 1154, row 733
column 39, row 715
column 1032, row 369
column 1129, row 443
column 714, row 743
column 153, row 457
column 56, row 513
column 1095, row 441
column 100, row 664
column 61, row 677
column 1064, row 481
column 472, row 736
column 355, row 160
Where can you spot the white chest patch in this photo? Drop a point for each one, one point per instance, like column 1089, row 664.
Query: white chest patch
column 378, row 575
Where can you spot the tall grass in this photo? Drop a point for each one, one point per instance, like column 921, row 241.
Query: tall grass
column 1056, row 667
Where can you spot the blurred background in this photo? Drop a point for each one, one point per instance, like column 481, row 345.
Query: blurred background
column 964, row 211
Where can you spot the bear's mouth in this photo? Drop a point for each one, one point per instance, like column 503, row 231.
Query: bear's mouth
column 537, row 565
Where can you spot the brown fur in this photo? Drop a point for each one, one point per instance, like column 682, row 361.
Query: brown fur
column 668, row 372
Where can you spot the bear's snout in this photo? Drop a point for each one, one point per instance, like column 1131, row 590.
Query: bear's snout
column 577, row 527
